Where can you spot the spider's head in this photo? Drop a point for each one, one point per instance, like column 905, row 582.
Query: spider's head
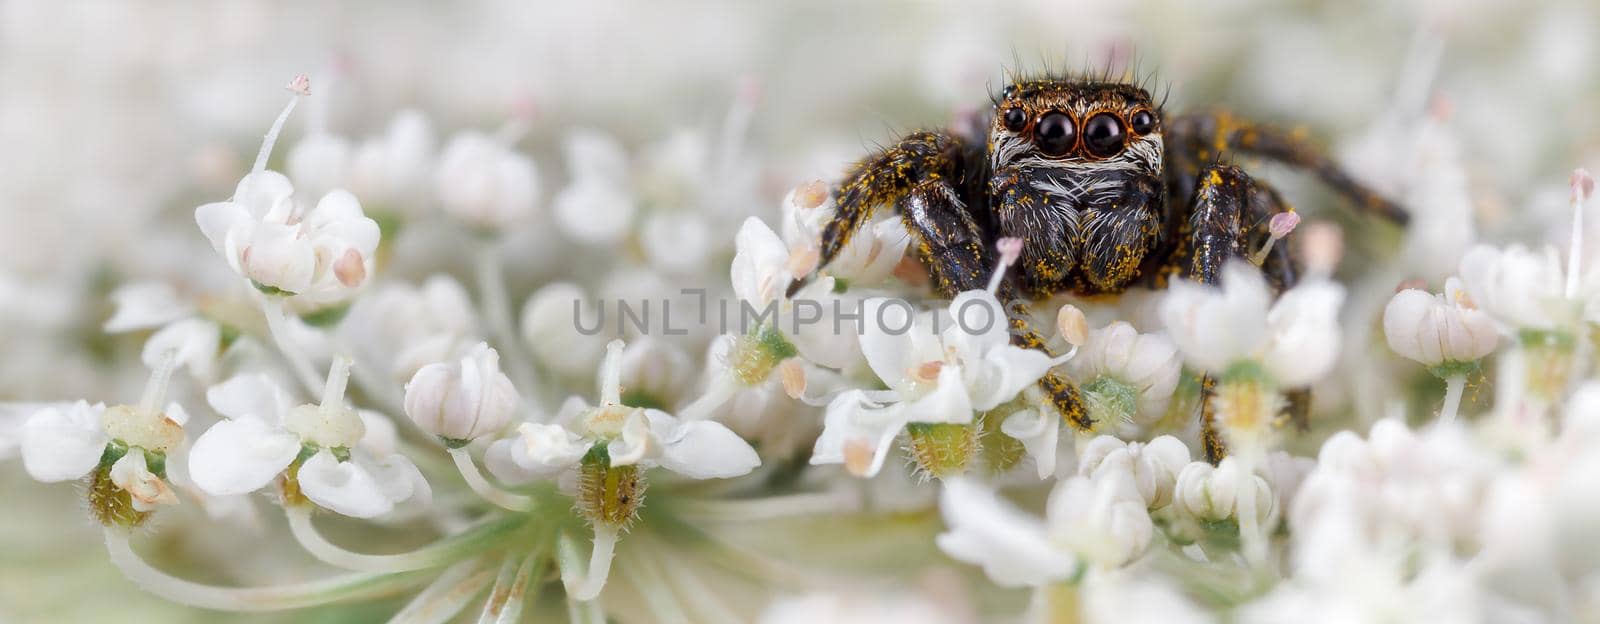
column 1077, row 166
column 1076, row 125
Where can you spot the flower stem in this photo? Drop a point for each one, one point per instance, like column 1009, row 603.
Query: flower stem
column 659, row 595
column 433, row 555
column 497, row 312
column 507, row 597
column 775, row 507
column 278, row 326
column 475, row 480
column 448, row 595
column 581, row 584
column 295, row 596
column 1453, row 385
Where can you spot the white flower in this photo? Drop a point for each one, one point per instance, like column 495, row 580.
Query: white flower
column 595, row 212
column 1218, row 492
column 648, row 438
column 656, row 369
column 410, row 326
column 1013, row 547
column 1099, row 521
column 1521, row 288
column 764, row 266
column 464, row 400
column 392, row 168
column 932, row 377
column 872, row 253
column 263, row 433
column 1149, row 364
column 597, row 207
column 1435, row 329
column 565, row 328
column 1153, row 467
column 1296, row 339
column 146, row 305
column 321, row 256
column 484, row 183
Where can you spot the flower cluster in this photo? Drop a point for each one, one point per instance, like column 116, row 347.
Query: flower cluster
column 603, row 371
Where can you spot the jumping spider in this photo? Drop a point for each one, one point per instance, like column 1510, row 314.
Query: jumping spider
column 1106, row 191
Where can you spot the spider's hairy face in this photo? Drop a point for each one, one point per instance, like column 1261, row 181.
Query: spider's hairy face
column 1077, row 169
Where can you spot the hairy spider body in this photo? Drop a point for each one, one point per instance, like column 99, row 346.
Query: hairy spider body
column 1106, row 192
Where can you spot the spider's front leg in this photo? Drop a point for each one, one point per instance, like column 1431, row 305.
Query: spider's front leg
column 920, row 177
column 1229, row 212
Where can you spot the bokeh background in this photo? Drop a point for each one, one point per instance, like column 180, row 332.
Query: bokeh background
column 118, row 118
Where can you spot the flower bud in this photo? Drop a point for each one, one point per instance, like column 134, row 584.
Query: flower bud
column 1072, row 325
column 461, row 401
column 1438, row 330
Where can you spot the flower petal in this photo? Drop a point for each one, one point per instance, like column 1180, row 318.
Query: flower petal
column 63, row 442
column 240, row 455
column 858, row 433
column 985, row 530
column 250, row 395
column 218, row 220
column 538, row 451
column 195, row 342
column 142, row 305
column 1004, row 372
column 347, row 488
column 701, row 449
column 1038, row 434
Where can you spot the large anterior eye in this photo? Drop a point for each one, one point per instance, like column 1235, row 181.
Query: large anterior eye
column 1103, row 135
column 1015, row 119
column 1055, row 133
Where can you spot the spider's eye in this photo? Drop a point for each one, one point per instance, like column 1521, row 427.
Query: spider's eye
column 1055, row 133
column 1103, row 135
column 1142, row 122
column 1015, row 119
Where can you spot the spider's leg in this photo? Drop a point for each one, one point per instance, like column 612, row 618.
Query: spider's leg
column 1196, row 139
column 949, row 242
column 930, row 161
column 1216, row 233
column 1058, row 389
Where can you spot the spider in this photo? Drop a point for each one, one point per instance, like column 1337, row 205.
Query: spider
column 1107, row 193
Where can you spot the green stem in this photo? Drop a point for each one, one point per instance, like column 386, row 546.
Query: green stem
column 281, row 597
column 475, row 480
column 442, row 552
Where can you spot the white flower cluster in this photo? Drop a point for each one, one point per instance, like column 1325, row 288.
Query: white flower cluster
column 567, row 345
